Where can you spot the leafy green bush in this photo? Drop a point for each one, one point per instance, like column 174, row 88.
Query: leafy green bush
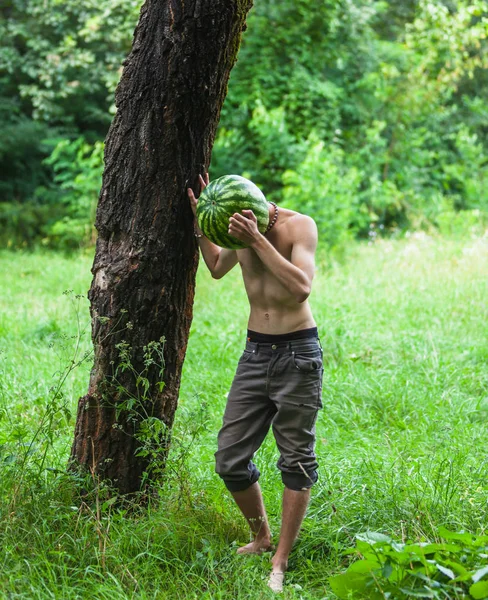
column 462, row 224
column 455, row 566
column 63, row 216
column 78, row 170
column 326, row 189
column 22, row 150
column 23, row 225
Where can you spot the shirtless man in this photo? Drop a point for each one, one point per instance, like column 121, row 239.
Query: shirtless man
column 278, row 380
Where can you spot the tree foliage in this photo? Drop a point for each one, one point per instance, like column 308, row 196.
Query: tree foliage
column 363, row 114
column 357, row 121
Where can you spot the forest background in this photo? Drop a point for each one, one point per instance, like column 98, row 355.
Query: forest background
column 369, row 115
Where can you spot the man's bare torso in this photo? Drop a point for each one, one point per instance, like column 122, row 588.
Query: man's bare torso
column 274, row 310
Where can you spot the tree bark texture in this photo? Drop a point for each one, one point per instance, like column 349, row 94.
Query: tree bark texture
column 168, row 105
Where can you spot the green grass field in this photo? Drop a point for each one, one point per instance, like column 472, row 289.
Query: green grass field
column 401, row 439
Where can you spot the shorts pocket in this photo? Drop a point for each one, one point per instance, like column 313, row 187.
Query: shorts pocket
column 308, row 362
column 246, row 355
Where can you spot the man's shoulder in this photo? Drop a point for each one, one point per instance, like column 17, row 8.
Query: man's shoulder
column 296, row 217
column 299, row 223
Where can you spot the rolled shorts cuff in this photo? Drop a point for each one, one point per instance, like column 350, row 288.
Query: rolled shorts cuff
column 299, row 481
column 239, row 485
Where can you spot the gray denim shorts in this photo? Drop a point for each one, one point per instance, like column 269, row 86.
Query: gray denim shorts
column 277, row 385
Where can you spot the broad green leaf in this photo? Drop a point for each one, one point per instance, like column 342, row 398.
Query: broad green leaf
column 480, row 574
column 364, row 566
column 403, row 558
column 448, row 572
column 345, row 583
column 357, row 584
column 425, row 567
column 431, row 548
column 456, row 567
column 398, row 547
column 365, row 548
column 465, row 538
column 387, row 570
column 373, row 537
column 479, row 590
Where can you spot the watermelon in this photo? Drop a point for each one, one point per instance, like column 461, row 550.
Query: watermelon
column 221, row 199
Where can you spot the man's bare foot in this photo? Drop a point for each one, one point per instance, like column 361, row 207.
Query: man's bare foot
column 277, row 576
column 256, row 547
column 275, row 582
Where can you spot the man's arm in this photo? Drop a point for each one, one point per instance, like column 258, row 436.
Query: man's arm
column 295, row 275
column 218, row 260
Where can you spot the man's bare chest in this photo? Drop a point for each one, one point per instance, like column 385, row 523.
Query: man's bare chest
column 252, row 265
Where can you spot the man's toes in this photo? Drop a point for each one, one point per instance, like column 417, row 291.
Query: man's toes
column 275, row 582
column 254, row 548
column 245, row 549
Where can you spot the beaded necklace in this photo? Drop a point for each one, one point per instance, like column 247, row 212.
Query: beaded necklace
column 274, row 219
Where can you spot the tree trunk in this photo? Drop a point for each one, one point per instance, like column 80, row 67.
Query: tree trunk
column 168, row 105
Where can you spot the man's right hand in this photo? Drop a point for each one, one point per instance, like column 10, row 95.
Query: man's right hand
column 191, row 195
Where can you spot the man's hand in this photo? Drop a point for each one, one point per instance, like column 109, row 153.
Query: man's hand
column 191, row 195
column 245, row 227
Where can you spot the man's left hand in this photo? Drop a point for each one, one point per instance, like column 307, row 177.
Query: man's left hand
column 244, row 227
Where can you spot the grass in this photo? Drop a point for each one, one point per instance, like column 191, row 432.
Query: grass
column 401, row 440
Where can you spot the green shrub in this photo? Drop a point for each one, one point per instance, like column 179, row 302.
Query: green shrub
column 323, row 187
column 25, row 225
column 78, row 170
column 60, row 216
column 21, row 153
column 462, row 224
column 452, row 567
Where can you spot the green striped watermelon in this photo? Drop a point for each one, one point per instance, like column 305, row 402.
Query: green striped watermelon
column 221, row 199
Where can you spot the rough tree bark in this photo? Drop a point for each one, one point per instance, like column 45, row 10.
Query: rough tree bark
column 168, row 105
